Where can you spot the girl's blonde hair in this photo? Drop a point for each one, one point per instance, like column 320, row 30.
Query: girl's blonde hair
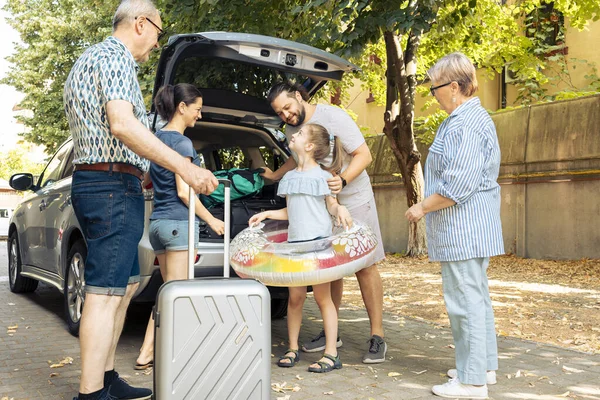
column 320, row 137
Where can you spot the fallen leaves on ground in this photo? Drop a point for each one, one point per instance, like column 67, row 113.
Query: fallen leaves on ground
column 12, row 329
column 547, row 301
column 571, row 370
column 61, row 363
column 284, row 387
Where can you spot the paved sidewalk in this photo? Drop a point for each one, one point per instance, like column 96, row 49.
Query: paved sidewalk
column 418, row 356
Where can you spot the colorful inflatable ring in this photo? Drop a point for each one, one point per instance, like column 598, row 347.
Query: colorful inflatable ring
column 263, row 253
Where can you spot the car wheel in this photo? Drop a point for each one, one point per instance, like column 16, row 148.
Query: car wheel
column 74, row 286
column 18, row 283
column 278, row 308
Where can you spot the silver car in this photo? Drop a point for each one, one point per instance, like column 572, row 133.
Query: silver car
column 239, row 129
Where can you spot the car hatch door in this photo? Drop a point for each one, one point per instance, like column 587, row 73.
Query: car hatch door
column 234, row 71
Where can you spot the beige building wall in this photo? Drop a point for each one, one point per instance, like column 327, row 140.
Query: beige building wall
column 582, row 45
column 370, row 115
column 549, row 178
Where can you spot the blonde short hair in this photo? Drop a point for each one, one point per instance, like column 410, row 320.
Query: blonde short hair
column 455, row 67
column 128, row 10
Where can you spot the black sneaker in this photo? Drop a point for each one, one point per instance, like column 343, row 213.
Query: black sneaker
column 102, row 396
column 318, row 343
column 377, row 349
column 119, row 389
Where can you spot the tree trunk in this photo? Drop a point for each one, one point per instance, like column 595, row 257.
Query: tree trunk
column 398, row 128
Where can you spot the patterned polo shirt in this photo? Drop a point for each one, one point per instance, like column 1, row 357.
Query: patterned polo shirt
column 106, row 71
column 463, row 165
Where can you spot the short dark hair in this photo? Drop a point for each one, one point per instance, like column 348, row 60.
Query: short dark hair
column 287, row 87
column 168, row 98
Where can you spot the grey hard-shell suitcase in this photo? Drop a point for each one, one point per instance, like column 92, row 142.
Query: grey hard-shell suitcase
column 212, row 335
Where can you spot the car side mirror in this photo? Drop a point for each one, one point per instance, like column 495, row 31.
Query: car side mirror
column 21, row 182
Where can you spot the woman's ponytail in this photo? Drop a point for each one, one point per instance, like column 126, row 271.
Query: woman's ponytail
column 165, row 102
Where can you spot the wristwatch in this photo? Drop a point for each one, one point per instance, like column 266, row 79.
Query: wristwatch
column 344, row 183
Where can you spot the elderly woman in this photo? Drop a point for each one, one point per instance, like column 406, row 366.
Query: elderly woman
column 462, row 209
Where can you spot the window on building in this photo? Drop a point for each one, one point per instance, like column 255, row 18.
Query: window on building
column 545, row 26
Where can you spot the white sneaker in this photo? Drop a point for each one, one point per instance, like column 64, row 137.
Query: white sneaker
column 453, row 389
column 490, row 376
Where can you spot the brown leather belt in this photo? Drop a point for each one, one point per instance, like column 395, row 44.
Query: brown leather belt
column 115, row 167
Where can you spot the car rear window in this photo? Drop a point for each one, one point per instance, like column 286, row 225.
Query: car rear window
column 230, row 75
column 232, row 157
column 272, row 157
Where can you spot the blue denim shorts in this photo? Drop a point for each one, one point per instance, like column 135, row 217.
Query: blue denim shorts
column 110, row 209
column 170, row 235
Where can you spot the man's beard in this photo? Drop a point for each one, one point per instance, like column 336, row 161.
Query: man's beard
column 301, row 115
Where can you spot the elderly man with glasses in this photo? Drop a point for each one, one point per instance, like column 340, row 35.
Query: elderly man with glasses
column 112, row 144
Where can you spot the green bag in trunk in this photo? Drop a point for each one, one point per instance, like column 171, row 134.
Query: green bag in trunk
column 244, row 183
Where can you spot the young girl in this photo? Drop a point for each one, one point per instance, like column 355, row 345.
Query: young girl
column 180, row 105
column 309, row 203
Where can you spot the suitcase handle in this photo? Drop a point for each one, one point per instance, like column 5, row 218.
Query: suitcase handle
column 191, row 232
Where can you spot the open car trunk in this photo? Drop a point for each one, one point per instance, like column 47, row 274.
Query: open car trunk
column 224, row 146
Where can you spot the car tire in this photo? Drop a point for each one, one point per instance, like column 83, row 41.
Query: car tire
column 278, row 308
column 74, row 295
column 18, row 283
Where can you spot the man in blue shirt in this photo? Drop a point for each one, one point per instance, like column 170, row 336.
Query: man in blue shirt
column 112, row 142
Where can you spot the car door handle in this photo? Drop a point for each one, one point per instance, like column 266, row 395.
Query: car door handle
column 65, row 203
column 43, row 205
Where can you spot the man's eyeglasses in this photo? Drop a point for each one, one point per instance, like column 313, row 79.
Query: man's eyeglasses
column 161, row 33
column 433, row 88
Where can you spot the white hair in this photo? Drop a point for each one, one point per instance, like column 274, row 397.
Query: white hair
column 128, row 10
column 458, row 68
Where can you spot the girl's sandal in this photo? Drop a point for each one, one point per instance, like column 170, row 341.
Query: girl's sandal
column 293, row 360
column 324, row 366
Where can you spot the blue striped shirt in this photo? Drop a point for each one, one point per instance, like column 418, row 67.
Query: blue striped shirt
column 463, row 165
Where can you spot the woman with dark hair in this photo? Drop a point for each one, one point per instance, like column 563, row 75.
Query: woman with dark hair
column 181, row 105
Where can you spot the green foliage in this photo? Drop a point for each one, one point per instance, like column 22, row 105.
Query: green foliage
column 16, row 160
column 544, row 25
column 55, row 33
column 426, row 127
column 232, row 158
